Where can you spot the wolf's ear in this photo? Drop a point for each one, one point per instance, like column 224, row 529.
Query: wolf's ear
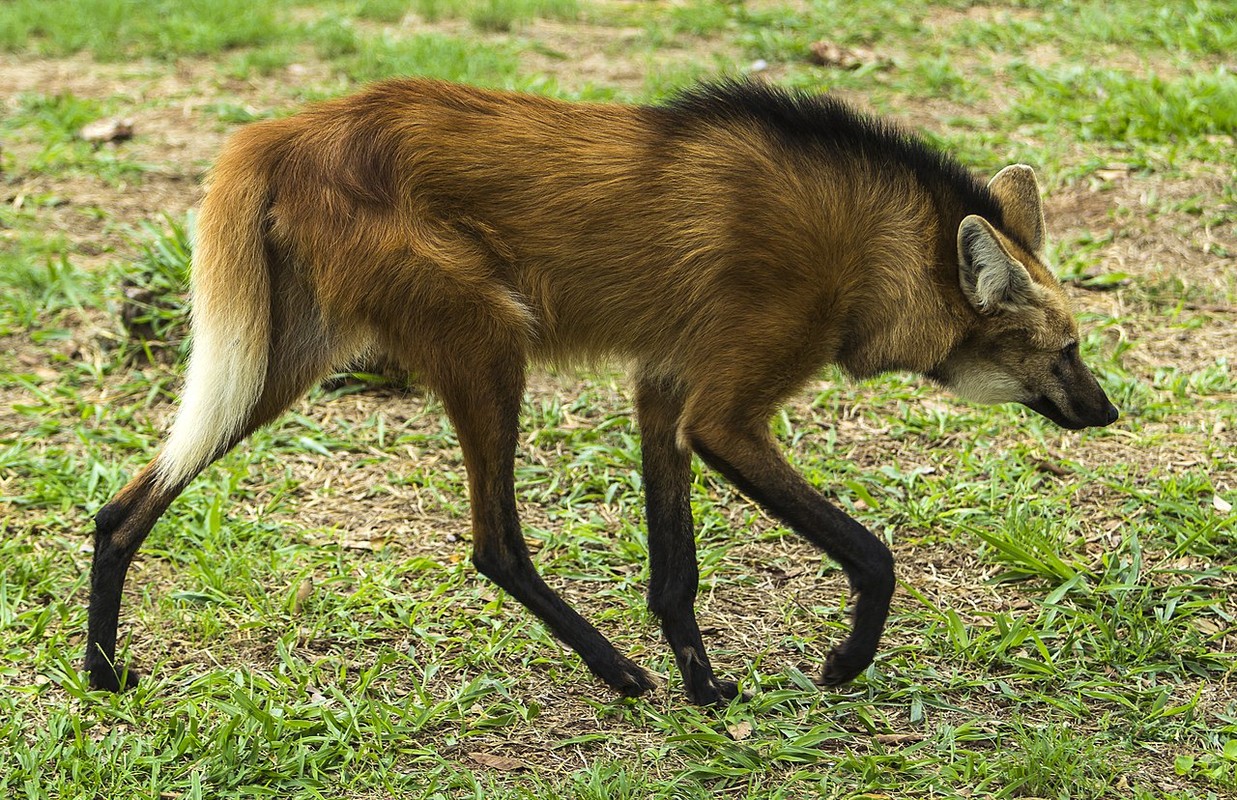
column 1018, row 192
column 991, row 278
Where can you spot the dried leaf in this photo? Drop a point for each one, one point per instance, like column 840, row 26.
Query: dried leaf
column 898, row 738
column 1220, row 504
column 367, row 539
column 302, row 594
column 1112, row 172
column 107, row 130
column 503, row 763
column 1051, row 467
column 740, row 730
column 1207, row 626
column 832, row 54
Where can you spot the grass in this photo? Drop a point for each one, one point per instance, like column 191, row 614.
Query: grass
column 497, row 15
column 306, row 614
column 56, row 120
column 118, row 29
column 1111, row 105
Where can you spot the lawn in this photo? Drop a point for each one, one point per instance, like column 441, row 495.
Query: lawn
column 306, row 617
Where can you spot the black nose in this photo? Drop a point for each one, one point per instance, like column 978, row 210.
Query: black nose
column 1111, row 414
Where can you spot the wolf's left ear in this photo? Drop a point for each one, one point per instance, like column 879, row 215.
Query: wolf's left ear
column 991, row 278
column 1018, row 192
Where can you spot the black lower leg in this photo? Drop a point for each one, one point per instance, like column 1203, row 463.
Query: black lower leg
column 518, row 577
column 107, row 579
column 674, row 576
column 485, row 414
column 756, row 468
column 674, row 579
column 120, row 528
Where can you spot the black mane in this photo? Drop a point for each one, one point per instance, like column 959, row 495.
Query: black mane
column 806, row 121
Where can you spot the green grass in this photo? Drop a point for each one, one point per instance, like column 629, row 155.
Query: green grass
column 434, row 56
column 54, row 121
column 497, row 15
column 306, row 614
column 118, row 29
column 1110, row 105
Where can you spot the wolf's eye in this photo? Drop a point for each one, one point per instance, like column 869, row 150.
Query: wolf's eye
column 1070, row 350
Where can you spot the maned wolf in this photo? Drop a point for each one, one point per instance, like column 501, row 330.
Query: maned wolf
column 727, row 244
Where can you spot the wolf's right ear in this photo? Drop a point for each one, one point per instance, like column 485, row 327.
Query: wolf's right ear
column 991, row 278
column 1016, row 188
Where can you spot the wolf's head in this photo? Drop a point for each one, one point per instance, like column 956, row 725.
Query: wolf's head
column 1023, row 347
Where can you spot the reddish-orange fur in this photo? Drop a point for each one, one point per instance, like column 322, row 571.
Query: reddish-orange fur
column 575, row 231
column 464, row 233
